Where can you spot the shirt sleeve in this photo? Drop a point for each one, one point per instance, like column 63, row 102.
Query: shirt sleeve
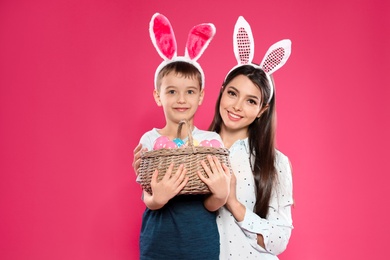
column 276, row 228
column 147, row 140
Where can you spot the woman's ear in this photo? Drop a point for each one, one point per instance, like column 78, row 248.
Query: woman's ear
column 262, row 110
column 156, row 95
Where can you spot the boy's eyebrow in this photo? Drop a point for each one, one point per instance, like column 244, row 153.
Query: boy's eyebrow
column 186, row 87
column 195, row 87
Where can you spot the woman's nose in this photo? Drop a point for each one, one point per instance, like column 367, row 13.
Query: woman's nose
column 238, row 105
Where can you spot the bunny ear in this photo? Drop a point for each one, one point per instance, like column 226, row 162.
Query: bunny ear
column 162, row 36
column 276, row 56
column 198, row 40
column 243, row 43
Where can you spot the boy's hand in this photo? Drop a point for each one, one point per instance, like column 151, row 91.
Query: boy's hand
column 137, row 157
column 219, row 178
column 165, row 189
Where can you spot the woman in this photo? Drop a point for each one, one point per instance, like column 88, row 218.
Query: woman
column 256, row 220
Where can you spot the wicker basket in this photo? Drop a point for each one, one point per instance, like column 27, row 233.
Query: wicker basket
column 190, row 156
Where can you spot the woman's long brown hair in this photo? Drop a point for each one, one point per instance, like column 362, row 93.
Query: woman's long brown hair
column 261, row 137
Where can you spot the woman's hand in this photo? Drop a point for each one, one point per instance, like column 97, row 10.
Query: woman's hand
column 137, row 157
column 218, row 179
column 218, row 182
column 232, row 198
column 233, row 204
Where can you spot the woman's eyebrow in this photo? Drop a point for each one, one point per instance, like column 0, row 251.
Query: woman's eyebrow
column 254, row 97
column 231, row 87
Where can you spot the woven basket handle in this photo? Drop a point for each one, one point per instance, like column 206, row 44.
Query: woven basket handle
column 190, row 139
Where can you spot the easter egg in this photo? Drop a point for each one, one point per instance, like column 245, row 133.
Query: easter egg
column 194, row 142
column 215, row 143
column 170, row 145
column 160, row 142
column 178, row 142
column 205, row 143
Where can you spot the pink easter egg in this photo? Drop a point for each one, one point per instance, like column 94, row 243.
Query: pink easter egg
column 160, row 142
column 215, row 143
column 205, row 143
column 170, row 145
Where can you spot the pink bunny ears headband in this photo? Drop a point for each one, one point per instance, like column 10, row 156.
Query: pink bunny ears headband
column 164, row 41
column 243, row 45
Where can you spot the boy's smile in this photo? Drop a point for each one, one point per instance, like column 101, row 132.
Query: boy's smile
column 181, row 109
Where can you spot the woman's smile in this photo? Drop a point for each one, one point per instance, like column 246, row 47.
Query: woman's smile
column 233, row 117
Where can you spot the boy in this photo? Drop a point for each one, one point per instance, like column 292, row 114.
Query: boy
column 183, row 226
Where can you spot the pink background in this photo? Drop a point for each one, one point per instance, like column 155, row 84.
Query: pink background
column 76, row 81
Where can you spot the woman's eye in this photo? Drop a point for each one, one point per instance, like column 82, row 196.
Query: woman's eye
column 231, row 93
column 252, row 102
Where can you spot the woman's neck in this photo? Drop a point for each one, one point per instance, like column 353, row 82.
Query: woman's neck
column 229, row 137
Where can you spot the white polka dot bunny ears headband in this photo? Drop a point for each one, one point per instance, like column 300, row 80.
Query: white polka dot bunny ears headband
column 164, row 41
column 243, row 45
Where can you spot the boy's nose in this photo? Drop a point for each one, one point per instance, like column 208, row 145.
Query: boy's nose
column 181, row 99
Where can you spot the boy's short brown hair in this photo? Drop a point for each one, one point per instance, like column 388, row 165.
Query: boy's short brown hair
column 181, row 68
